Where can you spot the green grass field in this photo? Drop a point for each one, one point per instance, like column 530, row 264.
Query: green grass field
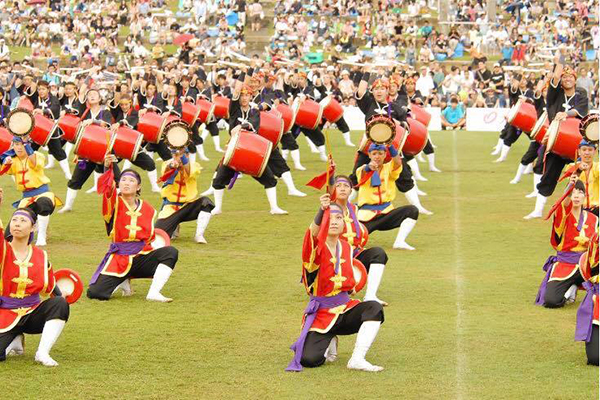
column 461, row 322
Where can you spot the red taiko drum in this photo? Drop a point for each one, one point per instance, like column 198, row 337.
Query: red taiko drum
column 360, row 275
column 207, row 110
column 190, row 112
column 70, row 284
column 126, row 143
column 152, row 125
column 161, row 239
column 248, row 153
column 416, row 139
column 5, row 139
column 308, row 113
column 522, row 116
column 92, row 143
column 332, row 110
column 287, row 114
column 43, row 129
column 540, row 128
column 25, row 103
column 398, row 141
column 271, row 127
column 564, row 138
column 221, row 107
column 420, row 114
column 68, row 124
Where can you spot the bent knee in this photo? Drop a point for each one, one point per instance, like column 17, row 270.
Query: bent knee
column 412, row 212
column 168, row 255
column 95, row 294
column 312, row 360
column 373, row 311
column 379, row 256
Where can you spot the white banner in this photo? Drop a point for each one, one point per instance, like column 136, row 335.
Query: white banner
column 356, row 119
column 486, row 119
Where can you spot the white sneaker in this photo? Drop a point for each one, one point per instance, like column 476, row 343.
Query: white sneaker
column 277, row 211
column 45, row 360
column 200, row 239
column 296, row 193
column 363, row 365
column 158, row 297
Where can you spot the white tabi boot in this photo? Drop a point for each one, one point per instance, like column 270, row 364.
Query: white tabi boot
column 364, row 339
column 419, row 191
column 71, row 195
column 322, row 153
column 218, row 201
column 503, row 153
column 201, row 224
column 201, row 153
column 419, row 157
column 347, row 139
column 536, row 180
column 497, row 148
column 529, row 169
column 16, row 347
column 217, row 143
column 311, row 145
column 51, row 161
column 413, row 198
column 125, row 288
column 204, row 134
column 285, row 154
column 571, row 294
column 153, row 178
column 414, row 166
column 94, row 188
column 161, row 276
column 431, row 161
column 540, row 202
column 403, row 231
column 64, row 165
column 331, row 352
column 208, row 192
column 126, row 164
column 50, row 333
column 68, row 147
column 520, row 172
column 289, row 182
column 272, row 197
column 42, row 223
column 296, row 159
column 373, row 281
column 192, row 157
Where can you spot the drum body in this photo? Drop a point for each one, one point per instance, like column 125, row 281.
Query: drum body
column 190, row 112
column 126, row 143
column 70, row 284
column 398, row 141
column 360, row 275
column 221, row 107
column 332, row 110
column 152, row 126
column 92, row 143
column 5, row 139
column 161, row 239
column 248, row 153
column 308, row 113
column 564, row 138
column 287, row 114
column 20, row 122
column 271, row 127
column 540, row 128
column 417, row 138
column 43, row 129
column 25, row 103
column 420, row 114
column 207, row 110
column 522, row 116
column 68, row 124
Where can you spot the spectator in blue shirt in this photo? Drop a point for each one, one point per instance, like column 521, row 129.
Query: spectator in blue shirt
column 453, row 116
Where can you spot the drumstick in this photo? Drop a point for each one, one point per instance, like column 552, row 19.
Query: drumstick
column 239, row 56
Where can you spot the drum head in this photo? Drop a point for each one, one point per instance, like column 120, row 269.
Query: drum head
column 380, row 132
column 20, row 122
column 70, row 284
column 230, row 148
column 177, row 135
column 552, row 133
column 592, row 131
column 538, row 124
column 161, row 239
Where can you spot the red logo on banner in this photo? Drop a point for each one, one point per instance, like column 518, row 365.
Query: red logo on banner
column 489, row 118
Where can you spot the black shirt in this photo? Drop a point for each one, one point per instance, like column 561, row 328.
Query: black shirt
column 370, row 107
column 238, row 117
column 557, row 101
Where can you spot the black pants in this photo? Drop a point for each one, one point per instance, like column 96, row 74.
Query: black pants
column 555, row 290
column 224, row 175
column 531, row 153
column 189, row 212
column 55, row 148
column 277, row 164
column 143, row 266
column 512, row 134
column 428, row 149
column 404, row 183
column 80, row 176
column 393, row 219
column 342, row 125
column 315, row 135
column 551, row 172
column 313, row 354
column 288, row 142
column 161, row 148
column 145, row 162
column 213, row 128
column 33, row 323
column 374, row 255
column 42, row 206
column 591, row 347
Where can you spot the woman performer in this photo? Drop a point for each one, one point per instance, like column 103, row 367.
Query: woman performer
column 328, row 278
column 130, row 224
column 572, row 229
column 27, row 168
column 25, row 273
column 180, row 198
column 376, row 192
column 587, row 314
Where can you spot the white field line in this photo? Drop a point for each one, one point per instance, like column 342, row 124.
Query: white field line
column 461, row 357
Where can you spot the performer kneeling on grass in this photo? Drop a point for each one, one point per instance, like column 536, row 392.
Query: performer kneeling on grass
column 130, row 224
column 377, row 191
column 180, row 197
column 357, row 235
column 26, row 273
column 572, row 229
column 328, row 278
column 27, row 168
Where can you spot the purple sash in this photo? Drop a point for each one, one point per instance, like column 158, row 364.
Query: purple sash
column 10, row 303
column 120, row 248
column 314, row 305
column 569, row 257
column 585, row 313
